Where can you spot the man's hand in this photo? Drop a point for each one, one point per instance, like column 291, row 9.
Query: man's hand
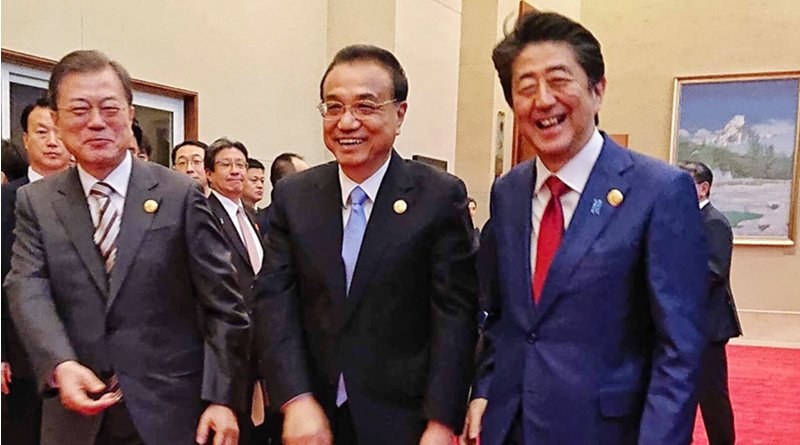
column 472, row 424
column 221, row 420
column 6, row 377
column 76, row 383
column 437, row 434
column 305, row 423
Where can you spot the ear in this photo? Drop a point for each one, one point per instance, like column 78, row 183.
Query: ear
column 599, row 89
column 402, row 108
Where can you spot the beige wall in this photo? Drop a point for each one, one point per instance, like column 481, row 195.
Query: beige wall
column 255, row 65
column 646, row 44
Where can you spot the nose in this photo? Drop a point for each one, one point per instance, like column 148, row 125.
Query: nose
column 348, row 121
column 544, row 96
column 52, row 139
column 95, row 118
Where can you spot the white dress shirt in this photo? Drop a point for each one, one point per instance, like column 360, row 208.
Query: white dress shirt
column 575, row 173
column 370, row 187
column 33, row 175
column 704, row 203
column 231, row 208
column 118, row 179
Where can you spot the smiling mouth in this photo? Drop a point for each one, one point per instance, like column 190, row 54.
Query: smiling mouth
column 350, row 142
column 544, row 124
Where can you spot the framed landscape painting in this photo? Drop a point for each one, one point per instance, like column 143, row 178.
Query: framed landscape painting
column 745, row 128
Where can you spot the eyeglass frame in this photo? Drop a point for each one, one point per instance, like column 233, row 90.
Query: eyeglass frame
column 321, row 107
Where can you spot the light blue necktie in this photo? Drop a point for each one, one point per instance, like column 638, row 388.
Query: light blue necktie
column 354, row 233
column 351, row 245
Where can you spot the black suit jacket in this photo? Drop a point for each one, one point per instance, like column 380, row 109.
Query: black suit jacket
column 169, row 322
column 723, row 321
column 12, row 350
column 404, row 336
column 238, row 252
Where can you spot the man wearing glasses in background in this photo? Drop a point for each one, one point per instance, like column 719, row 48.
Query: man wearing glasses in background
column 188, row 158
column 365, row 307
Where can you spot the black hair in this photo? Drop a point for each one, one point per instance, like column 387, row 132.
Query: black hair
column 371, row 53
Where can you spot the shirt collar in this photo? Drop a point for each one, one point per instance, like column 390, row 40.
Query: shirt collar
column 704, row 203
column 370, row 185
column 575, row 173
column 118, row 178
column 33, row 175
column 230, row 206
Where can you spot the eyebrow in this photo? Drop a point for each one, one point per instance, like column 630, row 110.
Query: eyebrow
column 548, row 70
column 361, row 96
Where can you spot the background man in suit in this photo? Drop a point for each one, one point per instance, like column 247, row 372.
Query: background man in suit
column 367, row 301
column 188, row 158
column 226, row 166
column 722, row 323
column 286, row 164
column 254, row 185
column 597, row 266
column 46, row 156
column 121, row 285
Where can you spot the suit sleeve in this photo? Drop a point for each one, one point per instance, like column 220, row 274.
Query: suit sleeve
column 720, row 240
column 280, row 342
column 30, row 299
column 224, row 315
column 453, row 313
column 676, row 265
column 489, row 310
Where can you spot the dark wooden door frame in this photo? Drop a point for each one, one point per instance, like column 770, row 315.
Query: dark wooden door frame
column 190, row 106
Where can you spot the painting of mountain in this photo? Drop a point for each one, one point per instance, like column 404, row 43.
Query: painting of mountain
column 746, row 130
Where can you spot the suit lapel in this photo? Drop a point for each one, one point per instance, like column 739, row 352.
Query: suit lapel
column 327, row 236
column 395, row 185
column 518, row 208
column 73, row 211
column 228, row 228
column 586, row 225
column 135, row 223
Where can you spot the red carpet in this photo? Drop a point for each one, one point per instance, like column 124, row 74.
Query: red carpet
column 765, row 393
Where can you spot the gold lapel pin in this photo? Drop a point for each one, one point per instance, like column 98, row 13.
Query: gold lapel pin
column 150, row 206
column 400, row 207
column 615, row 197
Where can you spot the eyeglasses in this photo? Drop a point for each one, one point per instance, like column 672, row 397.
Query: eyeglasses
column 362, row 109
column 227, row 163
column 183, row 163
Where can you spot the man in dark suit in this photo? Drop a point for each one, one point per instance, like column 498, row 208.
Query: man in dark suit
column 722, row 323
column 226, row 166
column 46, row 156
column 121, row 285
column 253, row 185
column 285, row 164
column 188, row 158
column 596, row 266
column 366, row 304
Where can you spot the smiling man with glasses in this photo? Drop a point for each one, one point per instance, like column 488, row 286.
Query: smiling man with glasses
column 366, row 304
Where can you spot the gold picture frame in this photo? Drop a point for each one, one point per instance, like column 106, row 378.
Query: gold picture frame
column 745, row 127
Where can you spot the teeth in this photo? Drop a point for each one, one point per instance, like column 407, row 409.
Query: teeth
column 350, row 141
column 548, row 122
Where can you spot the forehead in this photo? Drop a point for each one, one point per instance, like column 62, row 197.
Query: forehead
column 40, row 116
column 230, row 152
column 189, row 150
column 542, row 57
column 358, row 79
column 255, row 171
column 91, row 86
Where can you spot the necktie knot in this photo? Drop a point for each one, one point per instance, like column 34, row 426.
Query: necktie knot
column 556, row 186
column 101, row 189
column 358, row 196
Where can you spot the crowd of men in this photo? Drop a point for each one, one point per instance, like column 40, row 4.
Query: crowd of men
column 144, row 305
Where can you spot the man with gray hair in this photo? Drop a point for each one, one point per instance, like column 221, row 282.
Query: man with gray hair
column 121, row 285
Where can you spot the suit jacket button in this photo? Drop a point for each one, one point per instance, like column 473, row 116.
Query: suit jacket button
column 532, row 337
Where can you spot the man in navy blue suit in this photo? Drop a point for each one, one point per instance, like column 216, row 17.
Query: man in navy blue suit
column 594, row 267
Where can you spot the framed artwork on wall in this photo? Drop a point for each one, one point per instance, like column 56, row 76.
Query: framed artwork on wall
column 745, row 128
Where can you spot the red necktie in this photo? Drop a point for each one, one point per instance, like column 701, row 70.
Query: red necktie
column 550, row 231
